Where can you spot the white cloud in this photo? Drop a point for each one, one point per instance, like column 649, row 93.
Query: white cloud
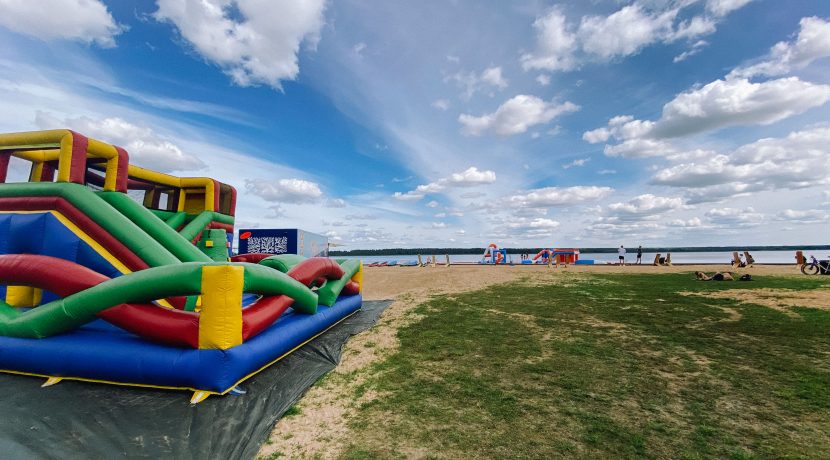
column 439, row 225
column 645, row 205
column 471, row 82
column 797, row 161
column 624, row 32
column 470, row 177
column 605, row 172
column 359, row 47
column 145, row 147
column 807, row 216
column 254, row 42
column 696, row 48
column 294, row 191
column 86, row 21
column 515, row 116
column 556, row 44
column 432, row 204
column 563, row 45
column 408, row 196
column 717, row 105
column 543, row 79
column 336, row 203
column 555, row 196
column 493, row 77
column 576, row 163
column 732, row 217
column 812, row 43
column 532, row 228
column 441, row 104
column 724, row 7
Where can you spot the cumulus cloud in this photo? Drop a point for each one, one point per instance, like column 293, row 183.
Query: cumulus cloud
column 812, row 43
column 470, row 177
column 645, row 205
column 87, row 21
column 523, row 227
column 254, row 42
column 564, row 45
column 556, row 197
column 797, row 161
column 145, row 147
column 732, row 217
column 805, row 216
column 515, row 116
column 717, row 105
column 471, row 82
column 293, row 191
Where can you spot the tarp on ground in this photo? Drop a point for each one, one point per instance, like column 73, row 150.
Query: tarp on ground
column 87, row 420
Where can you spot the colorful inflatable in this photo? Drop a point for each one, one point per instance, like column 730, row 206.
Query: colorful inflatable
column 494, row 255
column 116, row 274
column 557, row 255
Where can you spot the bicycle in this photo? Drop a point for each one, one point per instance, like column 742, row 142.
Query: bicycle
column 813, row 267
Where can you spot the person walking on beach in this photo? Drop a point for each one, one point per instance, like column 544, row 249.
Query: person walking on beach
column 639, row 255
column 621, row 252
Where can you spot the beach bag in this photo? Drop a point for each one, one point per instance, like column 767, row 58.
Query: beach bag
column 746, row 277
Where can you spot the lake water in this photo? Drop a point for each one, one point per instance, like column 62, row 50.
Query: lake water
column 761, row 257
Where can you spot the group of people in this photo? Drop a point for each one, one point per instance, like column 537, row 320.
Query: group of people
column 621, row 251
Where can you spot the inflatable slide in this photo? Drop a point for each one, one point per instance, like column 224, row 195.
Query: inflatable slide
column 117, row 274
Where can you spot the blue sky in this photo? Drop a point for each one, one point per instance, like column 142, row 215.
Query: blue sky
column 435, row 123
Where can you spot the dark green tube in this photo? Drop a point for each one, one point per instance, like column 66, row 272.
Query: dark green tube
column 180, row 247
column 125, row 231
column 327, row 294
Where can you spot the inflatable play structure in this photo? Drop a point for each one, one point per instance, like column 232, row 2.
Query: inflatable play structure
column 557, row 256
column 494, row 255
column 117, row 274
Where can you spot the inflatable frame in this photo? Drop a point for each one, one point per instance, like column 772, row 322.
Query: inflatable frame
column 95, row 286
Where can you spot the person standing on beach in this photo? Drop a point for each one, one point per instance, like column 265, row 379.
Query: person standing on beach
column 621, row 252
column 639, row 255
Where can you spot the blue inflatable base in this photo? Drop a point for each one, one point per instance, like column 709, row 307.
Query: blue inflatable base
column 102, row 352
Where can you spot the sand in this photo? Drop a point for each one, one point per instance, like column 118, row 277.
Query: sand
column 321, row 427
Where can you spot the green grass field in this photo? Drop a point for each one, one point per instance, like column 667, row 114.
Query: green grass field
column 603, row 366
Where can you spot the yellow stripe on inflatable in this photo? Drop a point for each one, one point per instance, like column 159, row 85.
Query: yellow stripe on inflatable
column 21, row 296
column 220, row 321
column 358, row 277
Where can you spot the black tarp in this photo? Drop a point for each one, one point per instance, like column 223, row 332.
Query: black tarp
column 87, row 420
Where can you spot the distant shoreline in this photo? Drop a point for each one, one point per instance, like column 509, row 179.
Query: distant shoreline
column 660, row 249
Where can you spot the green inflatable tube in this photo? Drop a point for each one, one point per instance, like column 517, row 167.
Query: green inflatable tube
column 65, row 314
column 282, row 262
column 176, row 220
column 125, row 231
column 191, row 230
column 327, row 294
column 155, row 227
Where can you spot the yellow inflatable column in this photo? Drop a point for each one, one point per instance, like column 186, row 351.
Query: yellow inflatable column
column 220, row 321
column 23, row 296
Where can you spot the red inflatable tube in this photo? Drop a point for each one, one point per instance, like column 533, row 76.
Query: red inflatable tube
column 351, row 288
column 175, row 327
column 261, row 314
column 65, row 278
column 253, row 257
